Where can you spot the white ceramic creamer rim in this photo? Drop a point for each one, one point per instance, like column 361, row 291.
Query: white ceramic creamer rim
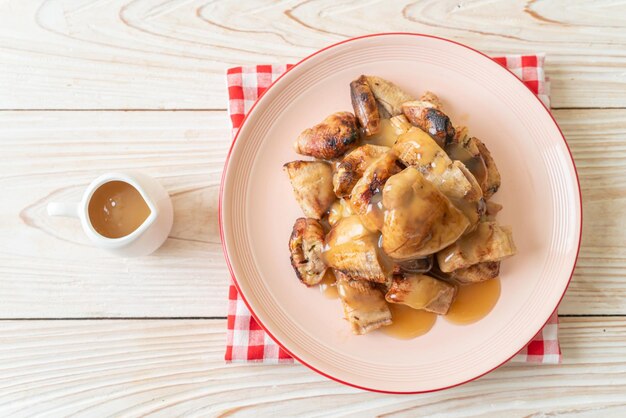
column 84, row 210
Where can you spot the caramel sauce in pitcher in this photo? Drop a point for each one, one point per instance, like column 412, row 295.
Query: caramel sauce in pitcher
column 117, row 209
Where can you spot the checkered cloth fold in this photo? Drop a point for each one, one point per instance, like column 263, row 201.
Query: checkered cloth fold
column 246, row 340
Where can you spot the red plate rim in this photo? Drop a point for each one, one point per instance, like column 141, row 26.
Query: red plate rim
column 221, row 225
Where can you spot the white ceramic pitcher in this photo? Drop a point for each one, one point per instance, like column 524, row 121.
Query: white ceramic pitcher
column 144, row 240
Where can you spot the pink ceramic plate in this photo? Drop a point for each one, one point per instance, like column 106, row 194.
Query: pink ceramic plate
column 540, row 194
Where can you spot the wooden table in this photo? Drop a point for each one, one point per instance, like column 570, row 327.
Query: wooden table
column 93, row 86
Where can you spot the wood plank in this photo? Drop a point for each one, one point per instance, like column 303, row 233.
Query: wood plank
column 48, row 269
column 597, row 141
column 175, row 367
column 145, row 54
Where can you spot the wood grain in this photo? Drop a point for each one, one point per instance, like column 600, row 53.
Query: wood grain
column 175, row 367
column 597, row 142
column 146, row 54
column 48, row 269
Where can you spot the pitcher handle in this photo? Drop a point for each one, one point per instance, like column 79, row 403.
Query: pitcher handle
column 63, row 209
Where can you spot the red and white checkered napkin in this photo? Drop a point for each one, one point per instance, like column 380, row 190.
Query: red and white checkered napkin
column 246, row 340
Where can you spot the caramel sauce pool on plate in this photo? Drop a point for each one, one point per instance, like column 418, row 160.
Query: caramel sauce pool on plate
column 474, row 302
column 408, row 322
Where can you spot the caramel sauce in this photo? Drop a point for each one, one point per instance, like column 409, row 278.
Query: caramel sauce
column 418, row 148
column 400, row 124
column 474, row 163
column 328, row 285
column 386, row 136
column 350, row 236
column 360, row 232
column 422, row 290
column 470, row 209
column 338, row 210
column 357, row 300
column 419, row 220
column 474, row 301
column 345, row 231
column 386, row 262
column 375, row 213
column 472, row 246
column 416, row 265
column 408, row 322
column 468, row 244
column 117, row 209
